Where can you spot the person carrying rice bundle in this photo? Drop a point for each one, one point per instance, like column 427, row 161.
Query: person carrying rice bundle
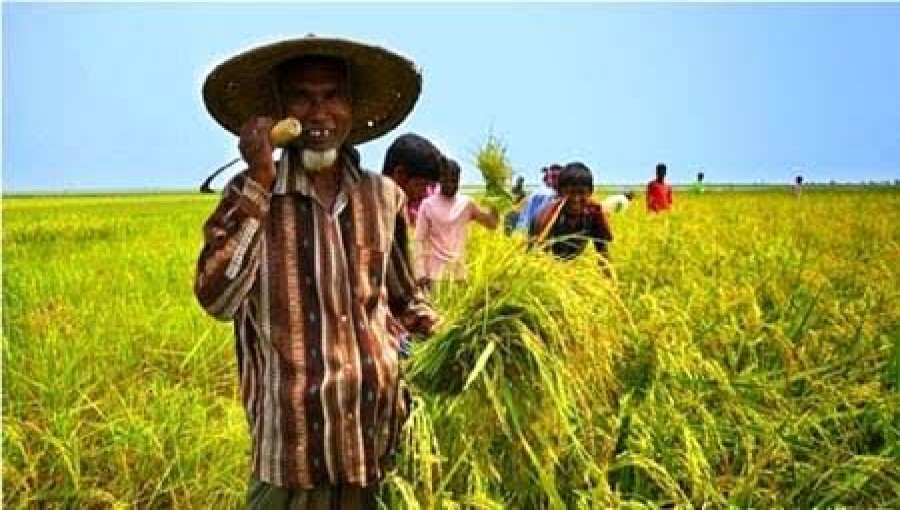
column 298, row 255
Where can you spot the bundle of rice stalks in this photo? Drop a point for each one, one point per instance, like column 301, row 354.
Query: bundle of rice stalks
column 506, row 379
column 496, row 170
column 453, row 360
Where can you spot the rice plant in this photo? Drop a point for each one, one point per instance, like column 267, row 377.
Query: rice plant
column 744, row 353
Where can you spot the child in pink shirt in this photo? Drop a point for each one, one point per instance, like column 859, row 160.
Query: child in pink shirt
column 440, row 242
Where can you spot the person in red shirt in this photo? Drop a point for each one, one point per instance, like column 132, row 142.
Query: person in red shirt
column 659, row 194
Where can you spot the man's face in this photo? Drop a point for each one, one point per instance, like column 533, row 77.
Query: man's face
column 576, row 197
column 449, row 182
column 317, row 94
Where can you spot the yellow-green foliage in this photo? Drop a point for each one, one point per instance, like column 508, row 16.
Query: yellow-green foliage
column 746, row 353
column 496, row 169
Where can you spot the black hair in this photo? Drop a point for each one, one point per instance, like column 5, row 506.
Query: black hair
column 452, row 165
column 419, row 156
column 575, row 174
column 629, row 195
column 661, row 167
column 554, row 166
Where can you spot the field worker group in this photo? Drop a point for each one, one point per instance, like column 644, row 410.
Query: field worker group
column 308, row 255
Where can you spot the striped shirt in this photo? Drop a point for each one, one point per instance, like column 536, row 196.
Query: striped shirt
column 319, row 300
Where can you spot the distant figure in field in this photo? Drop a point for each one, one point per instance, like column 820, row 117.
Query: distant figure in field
column 518, row 190
column 567, row 223
column 518, row 196
column 798, row 185
column 539, row 198
column 659, row 194
column 441, row 229
column 617, row 203
column 414, row 163
column 698, row 186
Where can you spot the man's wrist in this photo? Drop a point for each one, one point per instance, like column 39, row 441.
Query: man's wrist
column 254, row 198
column 263, row 175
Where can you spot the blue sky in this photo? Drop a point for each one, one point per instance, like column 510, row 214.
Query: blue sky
column 107, row 96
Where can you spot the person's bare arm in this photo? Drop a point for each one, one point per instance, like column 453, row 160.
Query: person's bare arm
column 487, row 217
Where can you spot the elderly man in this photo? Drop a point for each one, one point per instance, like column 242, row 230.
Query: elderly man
column 298, row 255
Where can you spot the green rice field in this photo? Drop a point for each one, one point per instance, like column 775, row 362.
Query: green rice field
column 745, row 353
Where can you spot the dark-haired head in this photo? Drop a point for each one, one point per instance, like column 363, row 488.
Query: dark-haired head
column 575, row 174
column 551, row 175
column 413, row 163
column 660, row 171
column 576, row 185
column 449, row 177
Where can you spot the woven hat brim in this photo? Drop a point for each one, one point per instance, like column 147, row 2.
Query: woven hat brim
column 384, row 85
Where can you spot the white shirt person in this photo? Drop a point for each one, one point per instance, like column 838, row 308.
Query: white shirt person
column 617, row 203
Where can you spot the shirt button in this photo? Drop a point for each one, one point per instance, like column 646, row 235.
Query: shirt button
column 343, row 318
column 350, row 416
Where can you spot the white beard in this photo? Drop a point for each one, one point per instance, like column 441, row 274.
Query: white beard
column 318, row 160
